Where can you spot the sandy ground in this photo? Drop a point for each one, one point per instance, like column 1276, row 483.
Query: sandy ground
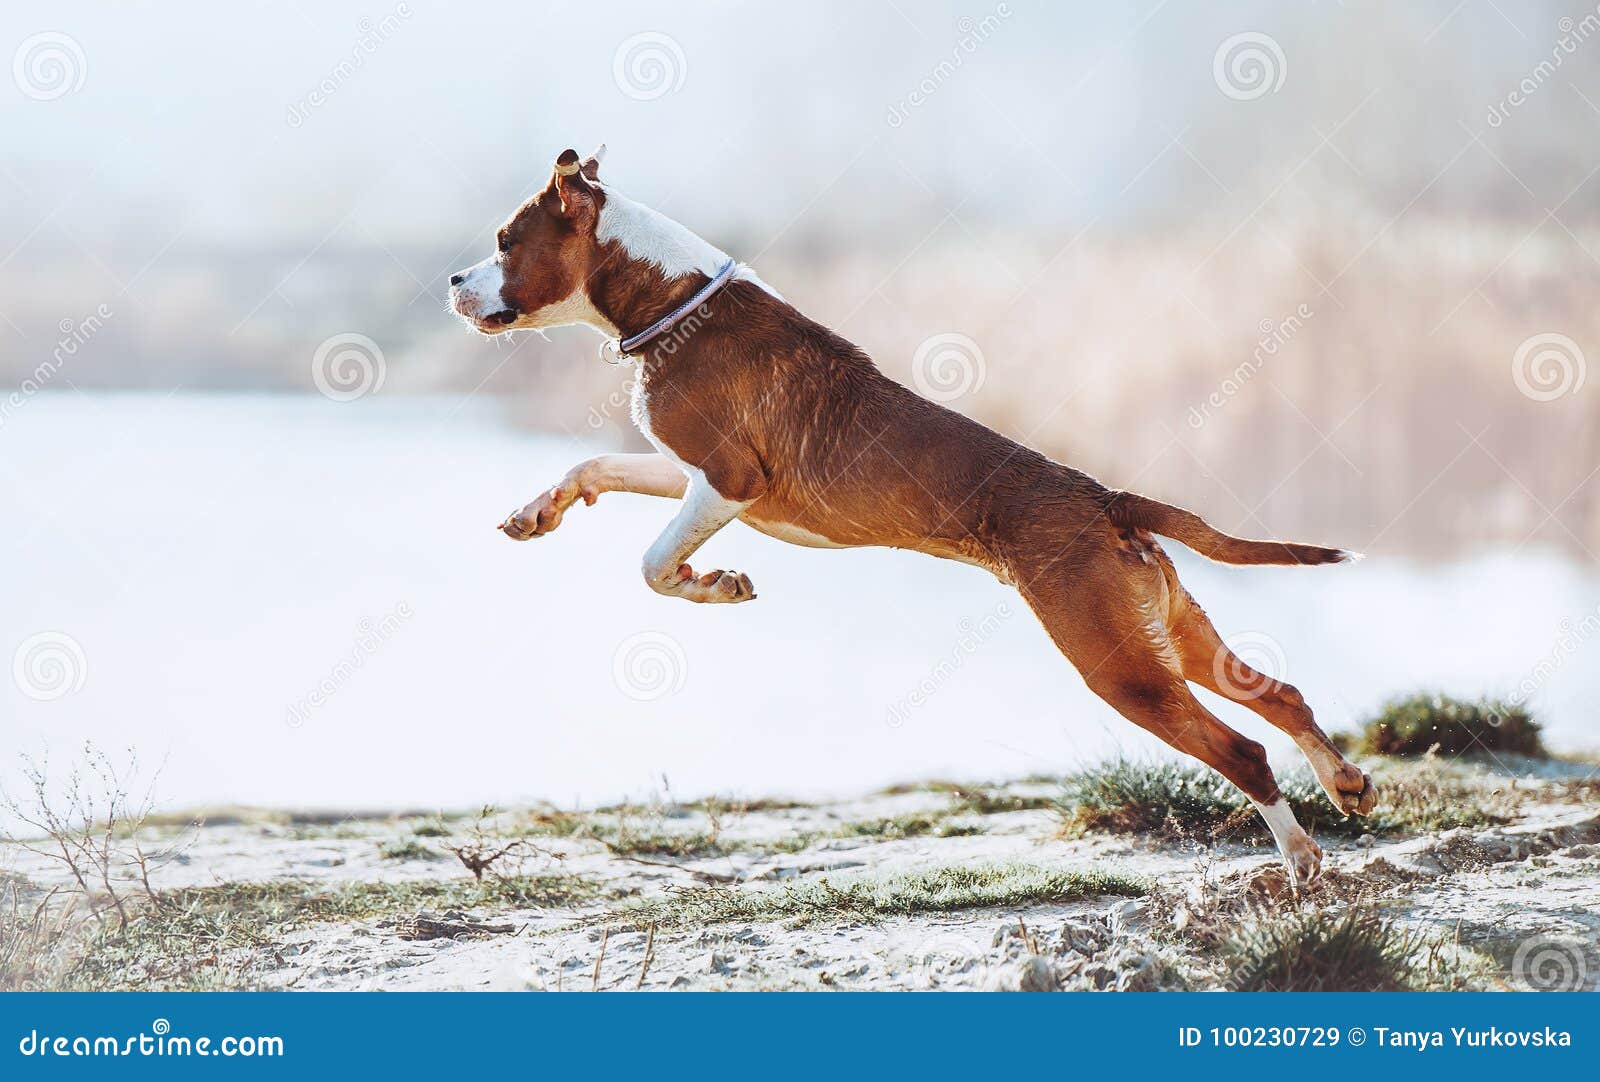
column 1493, row 890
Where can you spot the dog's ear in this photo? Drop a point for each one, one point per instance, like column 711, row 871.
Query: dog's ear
column 574, row 199
column 590, row 166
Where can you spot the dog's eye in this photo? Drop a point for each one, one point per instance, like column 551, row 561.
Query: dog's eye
column 505, row 242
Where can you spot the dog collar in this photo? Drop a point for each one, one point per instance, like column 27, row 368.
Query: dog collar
column 631, row 344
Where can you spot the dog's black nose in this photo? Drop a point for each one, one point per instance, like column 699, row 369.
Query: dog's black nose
column 457, row 279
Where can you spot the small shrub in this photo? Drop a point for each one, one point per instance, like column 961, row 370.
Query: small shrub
column 1411, row 726
column 1322, row 951
column 484, row 848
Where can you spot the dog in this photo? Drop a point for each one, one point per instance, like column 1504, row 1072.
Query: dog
column 759, row 413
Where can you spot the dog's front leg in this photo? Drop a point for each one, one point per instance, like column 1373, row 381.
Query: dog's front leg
column 705, row 510
column 649, row 475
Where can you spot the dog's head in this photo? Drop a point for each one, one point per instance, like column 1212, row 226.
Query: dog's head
column 543, row 257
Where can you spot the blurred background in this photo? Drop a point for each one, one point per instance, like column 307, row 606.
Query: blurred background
column 1322, row 271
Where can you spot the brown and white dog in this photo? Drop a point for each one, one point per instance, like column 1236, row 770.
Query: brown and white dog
column 764, row 415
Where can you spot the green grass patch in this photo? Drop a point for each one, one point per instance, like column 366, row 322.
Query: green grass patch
column 931, row 890
column 997, row 802
column 405, row 849
column 1414, row 725
column 1350, row 950
column 1188, row 800
column 939, row 824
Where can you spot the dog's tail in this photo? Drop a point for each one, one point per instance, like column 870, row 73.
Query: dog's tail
column 1130, row 509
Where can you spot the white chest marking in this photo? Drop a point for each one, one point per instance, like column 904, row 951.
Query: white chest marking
column 574, row 308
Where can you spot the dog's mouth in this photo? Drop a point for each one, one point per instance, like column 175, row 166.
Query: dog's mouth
column 495, row 322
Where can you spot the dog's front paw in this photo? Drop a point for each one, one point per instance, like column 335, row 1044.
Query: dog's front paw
column 544, row 514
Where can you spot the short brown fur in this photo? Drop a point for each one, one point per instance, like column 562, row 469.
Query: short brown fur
column 781, row 413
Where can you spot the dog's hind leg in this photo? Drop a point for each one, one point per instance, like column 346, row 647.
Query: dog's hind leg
column 1110, row 623
column 648, row 474
column 1207, row 661
column 1165, row 706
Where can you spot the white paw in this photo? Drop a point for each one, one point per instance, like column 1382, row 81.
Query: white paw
column 1305, row 861
column 712, row 588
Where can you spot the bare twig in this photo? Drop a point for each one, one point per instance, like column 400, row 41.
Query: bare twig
column 649, row 955
column 605, row 936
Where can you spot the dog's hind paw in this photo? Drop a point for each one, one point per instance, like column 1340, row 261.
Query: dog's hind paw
column 1305, row 862
column 1352, row 791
